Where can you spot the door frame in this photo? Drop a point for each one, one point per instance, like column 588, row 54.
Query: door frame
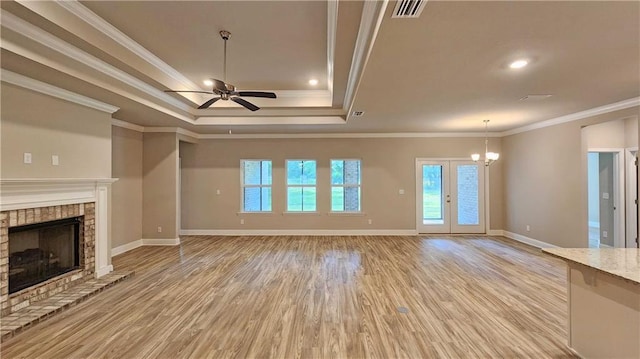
column 630, row 194
column 619, row 215
column 484, row 173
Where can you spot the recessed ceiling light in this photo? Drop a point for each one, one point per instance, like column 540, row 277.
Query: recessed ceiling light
column 208, row 82
column 518, row 64
column 313, row 82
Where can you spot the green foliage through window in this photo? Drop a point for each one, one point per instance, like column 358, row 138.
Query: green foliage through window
column 301, row 185
column 345, row 186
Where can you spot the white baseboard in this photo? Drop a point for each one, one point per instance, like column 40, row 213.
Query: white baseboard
column 104, row 270
column 527, row 240
column 144, row 242
column 298, row 232
column 495, row 232
column 160, row 241
column 126, row 247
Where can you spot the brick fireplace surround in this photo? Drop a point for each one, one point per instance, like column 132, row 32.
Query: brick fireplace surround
column 29, row 201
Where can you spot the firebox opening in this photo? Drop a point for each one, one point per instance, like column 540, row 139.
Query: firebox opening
column 38, row 252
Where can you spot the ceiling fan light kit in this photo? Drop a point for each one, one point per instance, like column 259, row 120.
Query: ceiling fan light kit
column 226, row 91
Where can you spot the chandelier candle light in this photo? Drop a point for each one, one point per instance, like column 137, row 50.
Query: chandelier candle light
column 489, row 157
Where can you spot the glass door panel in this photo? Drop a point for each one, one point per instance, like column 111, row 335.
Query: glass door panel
column 433, row 211
column 432, row 195
column 467, row 194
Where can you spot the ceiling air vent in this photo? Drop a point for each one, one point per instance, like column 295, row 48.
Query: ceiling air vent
column 408, row 8
column 357, row 113
column 535, row 97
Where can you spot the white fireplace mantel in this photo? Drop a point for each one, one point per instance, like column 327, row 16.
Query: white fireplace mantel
column 22, row 193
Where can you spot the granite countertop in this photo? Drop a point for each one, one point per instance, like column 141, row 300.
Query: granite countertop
column 619, row 262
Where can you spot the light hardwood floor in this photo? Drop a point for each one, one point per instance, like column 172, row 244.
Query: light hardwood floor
column 318, row 297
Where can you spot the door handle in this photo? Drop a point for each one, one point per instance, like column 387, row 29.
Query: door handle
column 448, row 199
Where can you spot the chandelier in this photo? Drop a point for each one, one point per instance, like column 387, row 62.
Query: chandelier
column 489, row 157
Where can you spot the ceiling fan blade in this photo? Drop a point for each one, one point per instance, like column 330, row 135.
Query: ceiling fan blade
column 245, row 103
column 219, row 85
column 208, row 103
column 209, row 92
column 257, row 94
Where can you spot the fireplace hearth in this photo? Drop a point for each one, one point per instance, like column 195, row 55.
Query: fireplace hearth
column 38, row 252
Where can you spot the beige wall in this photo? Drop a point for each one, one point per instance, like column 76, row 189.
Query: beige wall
column 387, row 166
column 545, row 181
column 46, row 126
column 605, row 135
column 160, row 183
column 126, row 193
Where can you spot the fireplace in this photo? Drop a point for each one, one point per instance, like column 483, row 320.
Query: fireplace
column 40, row 251
column 79, row 250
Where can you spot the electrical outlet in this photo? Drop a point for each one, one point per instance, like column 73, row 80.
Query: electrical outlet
column 528, row 228
column 55, row 160
column 400, row 191
column 27, row 158
column 242, row 221
column 159, row 229
column 217, row 191
column 370, row 221
column 605, row 234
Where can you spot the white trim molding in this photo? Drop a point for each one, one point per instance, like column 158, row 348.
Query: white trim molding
column 127, row 125
column 53, row 91
column 91, row 18
column 526, row 240
column 298, row 232
column 161, row 241
column 616, row 106
column 42, row 37
column 126, row 247
column 495, row 232
column 372, row 15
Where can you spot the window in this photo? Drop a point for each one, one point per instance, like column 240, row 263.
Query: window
column 301, row 186
column 256, row 185
column 345, row 185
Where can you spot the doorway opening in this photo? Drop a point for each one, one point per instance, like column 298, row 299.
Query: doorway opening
column 612, row 198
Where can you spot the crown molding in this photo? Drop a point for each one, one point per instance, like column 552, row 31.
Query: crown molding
column 127, row 125
column 44, row 38
column 21, row 51
column 616, row 106
column 372, row 15
column 176, row 130
column 77, row 9
column 53, row 91
column 332, row 30
column 91, row 18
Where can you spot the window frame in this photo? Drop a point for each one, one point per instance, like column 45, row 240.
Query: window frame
column 302, row 185
column 359, row 186
column 243, row 185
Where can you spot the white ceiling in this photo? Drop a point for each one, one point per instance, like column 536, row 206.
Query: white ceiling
column 443, row 72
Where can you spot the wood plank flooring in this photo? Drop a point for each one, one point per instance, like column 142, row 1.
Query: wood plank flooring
column 318, row 297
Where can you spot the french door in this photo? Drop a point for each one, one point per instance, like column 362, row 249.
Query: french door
column 450, row 196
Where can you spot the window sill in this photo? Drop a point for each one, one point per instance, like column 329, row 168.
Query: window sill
column 357, row 214
column 309, row 213
column 263, row 212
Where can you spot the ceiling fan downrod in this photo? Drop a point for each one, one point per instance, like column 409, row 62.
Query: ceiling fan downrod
column 225, row 36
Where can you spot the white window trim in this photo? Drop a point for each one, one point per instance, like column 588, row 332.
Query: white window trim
column 243, row 186
column 287, row 185
column 331, row 185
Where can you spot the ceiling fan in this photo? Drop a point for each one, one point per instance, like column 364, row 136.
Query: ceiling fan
column 226, row 91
